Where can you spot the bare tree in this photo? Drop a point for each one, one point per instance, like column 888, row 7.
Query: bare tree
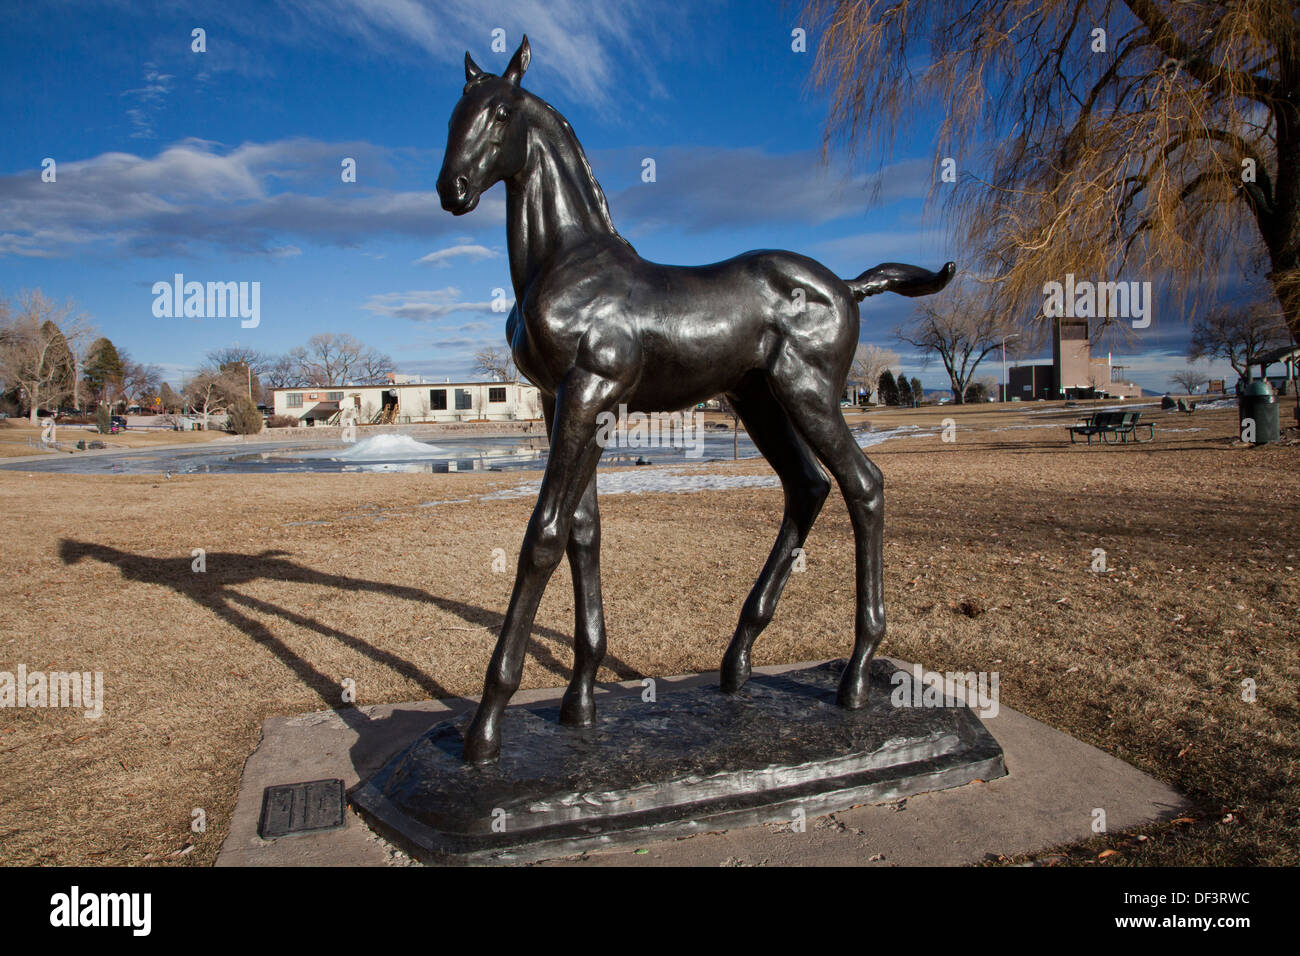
column 1188, row 380
column 257, row 362
column 1237, row 334
column 284, row 371
column 1154, row 136
column 211, row 391
column 329, row 359
column 139, row 381
column 375, row 368
column 961, row 328
column 496, row 362
column 868, row 362
column 36, row 350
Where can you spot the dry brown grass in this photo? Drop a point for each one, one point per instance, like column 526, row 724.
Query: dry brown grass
column 18, row 435
column 1144, row 661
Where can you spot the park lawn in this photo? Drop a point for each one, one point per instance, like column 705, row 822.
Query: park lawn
column 18, row 437
column 989, row 544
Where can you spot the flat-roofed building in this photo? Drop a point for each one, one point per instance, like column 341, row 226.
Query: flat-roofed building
column 1073, row 372
column 407, row 402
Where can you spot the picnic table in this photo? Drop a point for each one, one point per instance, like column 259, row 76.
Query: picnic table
column 1112, row 428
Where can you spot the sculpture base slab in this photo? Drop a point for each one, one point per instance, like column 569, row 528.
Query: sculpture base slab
column 693, row 760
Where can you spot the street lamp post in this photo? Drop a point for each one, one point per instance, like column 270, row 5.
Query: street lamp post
column 1006, row 382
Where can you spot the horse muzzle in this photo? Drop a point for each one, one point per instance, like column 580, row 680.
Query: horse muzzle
column 456, row 195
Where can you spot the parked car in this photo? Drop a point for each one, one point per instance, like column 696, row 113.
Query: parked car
column 117, row 424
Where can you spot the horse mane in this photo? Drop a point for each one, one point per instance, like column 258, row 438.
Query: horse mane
column 602, row 206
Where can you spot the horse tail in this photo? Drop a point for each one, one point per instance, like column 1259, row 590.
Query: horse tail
column 897, row 277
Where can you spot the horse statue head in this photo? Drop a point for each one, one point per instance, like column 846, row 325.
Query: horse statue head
column 487, row 139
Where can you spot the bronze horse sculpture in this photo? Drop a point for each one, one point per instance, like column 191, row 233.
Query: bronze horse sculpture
column 595, row 326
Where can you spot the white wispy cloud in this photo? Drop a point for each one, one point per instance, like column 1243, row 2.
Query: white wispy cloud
column 706, row 188
column 251, row 199
column 148, row 100
column 463, row 249
column 423, row 305
column 581, row 45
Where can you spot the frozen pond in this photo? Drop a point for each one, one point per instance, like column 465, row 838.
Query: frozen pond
column 378, row 453
column 391, row 453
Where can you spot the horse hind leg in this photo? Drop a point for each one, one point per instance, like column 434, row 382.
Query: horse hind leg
column 812, row 400
column 578, row 708
column 806, row 488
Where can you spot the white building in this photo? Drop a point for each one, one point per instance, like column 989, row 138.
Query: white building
column 405, row 402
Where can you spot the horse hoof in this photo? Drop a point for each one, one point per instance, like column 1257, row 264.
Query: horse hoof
column 480, row 748
column 577, row 711
column 735, row 672
column 851, row 697
column 733, row 683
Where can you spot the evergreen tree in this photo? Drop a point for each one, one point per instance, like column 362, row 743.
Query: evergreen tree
column 171, row 402
column 243, row 416
column 61, row 366
column 904, row 392
column 918, row 392
column 103, row 370
column 887, row 389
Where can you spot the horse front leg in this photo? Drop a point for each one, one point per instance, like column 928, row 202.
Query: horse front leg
column 569, row 469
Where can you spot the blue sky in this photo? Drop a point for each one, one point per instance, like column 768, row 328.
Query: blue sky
column 225, row 165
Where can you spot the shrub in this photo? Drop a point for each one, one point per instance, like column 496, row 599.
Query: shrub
column 103, row 420
column 243, row 417
column 282, row 421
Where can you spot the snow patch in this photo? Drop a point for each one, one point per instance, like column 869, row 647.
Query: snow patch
column 382, row 448
column 640, row 482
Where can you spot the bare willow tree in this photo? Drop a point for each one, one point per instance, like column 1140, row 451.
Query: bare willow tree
column 495, row 362
column 868, row 362
column 1157, row 137
column 961, row 327
column 1238, row 334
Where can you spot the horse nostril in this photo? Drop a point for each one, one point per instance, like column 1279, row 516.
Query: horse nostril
column 462, row 187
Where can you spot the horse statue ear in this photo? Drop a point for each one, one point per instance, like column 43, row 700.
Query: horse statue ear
column 518, row 63
column 472, row 72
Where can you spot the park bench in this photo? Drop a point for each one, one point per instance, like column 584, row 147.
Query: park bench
column 1130, row 425
column 1112, row 427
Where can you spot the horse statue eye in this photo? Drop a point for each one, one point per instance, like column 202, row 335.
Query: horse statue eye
column 503, row 114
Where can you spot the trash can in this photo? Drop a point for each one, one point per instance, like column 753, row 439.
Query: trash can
column 1258, row 403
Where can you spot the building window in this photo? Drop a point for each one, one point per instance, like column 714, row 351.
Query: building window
column 496, row 394
column 293, row 400
column 438, row 399
column 463, row 400
column 333, row 396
